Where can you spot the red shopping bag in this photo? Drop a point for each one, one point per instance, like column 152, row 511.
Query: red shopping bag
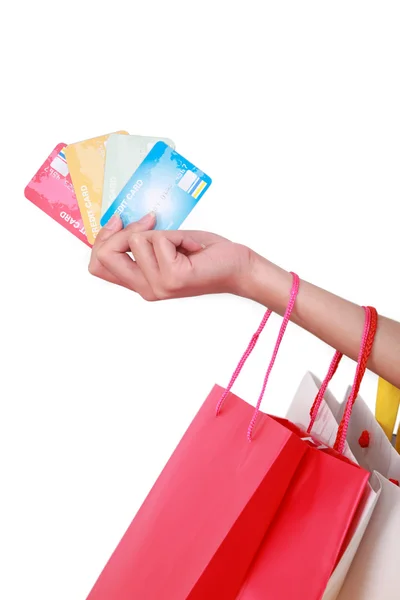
column 198, row 530
column 309, row 534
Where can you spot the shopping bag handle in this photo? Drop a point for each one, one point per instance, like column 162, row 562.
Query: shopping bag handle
column 370, row 327
column 333, row 368
column 372, row 323
column 249, row 350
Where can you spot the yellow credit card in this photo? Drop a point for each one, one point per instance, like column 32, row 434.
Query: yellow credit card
column 86, row 162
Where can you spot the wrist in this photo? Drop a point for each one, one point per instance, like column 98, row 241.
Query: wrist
column 266, row 283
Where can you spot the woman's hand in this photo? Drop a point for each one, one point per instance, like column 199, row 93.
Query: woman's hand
column 169, row 264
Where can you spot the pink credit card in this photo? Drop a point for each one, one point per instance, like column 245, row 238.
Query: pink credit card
column 51, row 190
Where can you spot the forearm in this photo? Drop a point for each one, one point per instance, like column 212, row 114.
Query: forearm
column 334, row 320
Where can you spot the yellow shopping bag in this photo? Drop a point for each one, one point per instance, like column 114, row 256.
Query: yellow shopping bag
column 387, row 408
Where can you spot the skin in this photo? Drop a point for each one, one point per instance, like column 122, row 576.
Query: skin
column 177, row 264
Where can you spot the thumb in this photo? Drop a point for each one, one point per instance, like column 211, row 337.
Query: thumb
column 146, row 223
column 114, row 225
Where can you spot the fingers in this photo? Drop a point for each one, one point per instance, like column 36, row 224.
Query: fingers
column 163, row 259
column 95, row 268
column 146, row 223
column 143, row 251
column 112, row 256
column 113, row 226
column 168, row 250
column 156, row 250
column 157, row 256
column 100, row 259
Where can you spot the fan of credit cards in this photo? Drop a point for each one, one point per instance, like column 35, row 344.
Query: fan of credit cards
column 82, row 185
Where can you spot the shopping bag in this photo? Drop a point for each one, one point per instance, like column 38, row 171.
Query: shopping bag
column 199, row 528
column 369, row 442
column 387, row 408
column 374, row 571
column 308, row 535
column 326, row 427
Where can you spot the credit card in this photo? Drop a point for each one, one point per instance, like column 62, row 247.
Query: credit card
column 124, row 153
column 51, row 190
column 165, row 183
column 86, row 164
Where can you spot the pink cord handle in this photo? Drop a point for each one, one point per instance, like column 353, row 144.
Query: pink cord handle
column 371, row 326
column 285, row 322
column 253, row 341
column 242, row 361
column 320, row 396
column 364, row 353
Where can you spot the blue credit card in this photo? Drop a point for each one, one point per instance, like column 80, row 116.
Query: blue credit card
column 165, row 183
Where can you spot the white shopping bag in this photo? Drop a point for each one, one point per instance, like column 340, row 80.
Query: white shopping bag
column 374, row 574
column 325, row 428
column 379, row 454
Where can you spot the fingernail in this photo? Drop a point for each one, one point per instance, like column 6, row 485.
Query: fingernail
column 112, row 223
column 149, row 217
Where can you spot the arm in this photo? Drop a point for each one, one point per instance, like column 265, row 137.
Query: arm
column 175, row 264
column 332, row 319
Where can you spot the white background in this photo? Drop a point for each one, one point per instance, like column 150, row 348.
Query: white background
column 293, row 108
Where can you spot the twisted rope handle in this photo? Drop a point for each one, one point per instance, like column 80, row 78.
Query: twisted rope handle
column 320, row 396
column 242, row 361
column 371, row 326
column 250, row 348
column 285, row 322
